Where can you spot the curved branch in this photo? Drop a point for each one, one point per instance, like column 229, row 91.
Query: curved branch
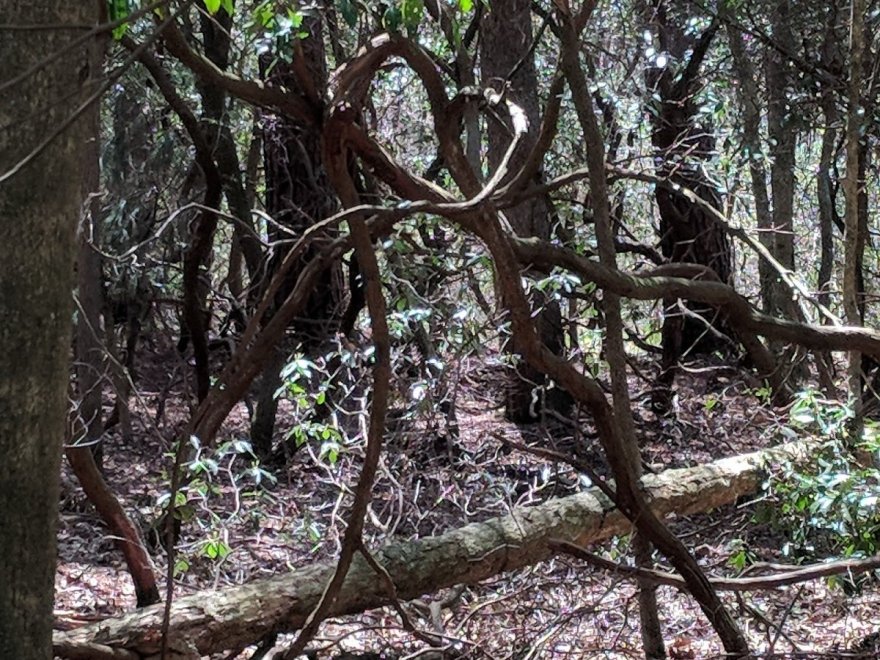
column 741, row 312
column 335, row 158
column 506, row 198
column 284, row 101
column 125, row 533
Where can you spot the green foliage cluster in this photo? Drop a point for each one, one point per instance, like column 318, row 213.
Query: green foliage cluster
column 831, row 507
column 305, row 385
column 231, row 468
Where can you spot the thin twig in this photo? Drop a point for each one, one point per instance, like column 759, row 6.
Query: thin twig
column 764, row 582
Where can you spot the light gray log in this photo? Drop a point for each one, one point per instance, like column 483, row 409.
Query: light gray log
column 213, row 621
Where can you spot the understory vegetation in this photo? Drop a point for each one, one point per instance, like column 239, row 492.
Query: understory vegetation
column 464, row 329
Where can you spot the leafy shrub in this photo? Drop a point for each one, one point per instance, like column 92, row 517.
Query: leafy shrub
column 829, row 508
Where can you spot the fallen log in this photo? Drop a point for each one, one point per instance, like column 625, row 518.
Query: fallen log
column 213, row 621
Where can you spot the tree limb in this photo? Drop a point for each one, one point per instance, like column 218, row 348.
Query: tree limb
column 796, row 575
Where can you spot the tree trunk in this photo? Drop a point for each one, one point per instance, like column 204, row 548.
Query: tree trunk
column 84, row 451
column 779, row 238
column 40, row 201
column 854, row 240
column 750, row 104
column 266, row 404
column 90, row 363
column 297, row 196
column 776, row 225
column 210, row 622
column 826, row 197
column 505, row 49
column 687, row 232
column 826, row 188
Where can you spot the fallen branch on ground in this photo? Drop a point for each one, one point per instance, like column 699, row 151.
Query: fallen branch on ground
column 792, row 575
column 213, row 621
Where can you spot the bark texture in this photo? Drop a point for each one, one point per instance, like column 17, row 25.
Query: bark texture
column 210, row 622
column 688, row 232
column 853, row 185
column 298, row 195
column 782, row 134
column 40, row 199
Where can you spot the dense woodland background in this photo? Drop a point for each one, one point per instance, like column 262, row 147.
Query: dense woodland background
column 350, row 276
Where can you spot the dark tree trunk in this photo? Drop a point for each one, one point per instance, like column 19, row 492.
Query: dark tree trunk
column 779, row 237
column 196, row 261
column 90, row 365
column 297, row 196
column 826, row 194
column 688, row 233
column 826, row 186
column 215, row 125
column 266, row 408
column 39, row 206
column 505, row 49
column 855, row 216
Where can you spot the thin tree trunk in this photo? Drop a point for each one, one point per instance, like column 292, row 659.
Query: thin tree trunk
column 266, row 405
column 825, row 196
column 84, row 451
column 779, row 239
column 852, row 185
column 90, row 365
column 826, row 192
column 749, row 101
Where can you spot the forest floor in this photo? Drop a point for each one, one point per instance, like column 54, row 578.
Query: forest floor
column 240, row 530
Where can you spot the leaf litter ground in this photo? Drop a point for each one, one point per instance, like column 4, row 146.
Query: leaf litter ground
column 428, row 484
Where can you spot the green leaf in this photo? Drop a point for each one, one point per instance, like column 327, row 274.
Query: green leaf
column 117, row 10
column 265, row 15
column 412, row 11
column 465, row 5
column 349, row 11
column 181, row 566
column 228, row 6
column 213, row 6
column 215, row 549
column 242, row 447
column 392, row 19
